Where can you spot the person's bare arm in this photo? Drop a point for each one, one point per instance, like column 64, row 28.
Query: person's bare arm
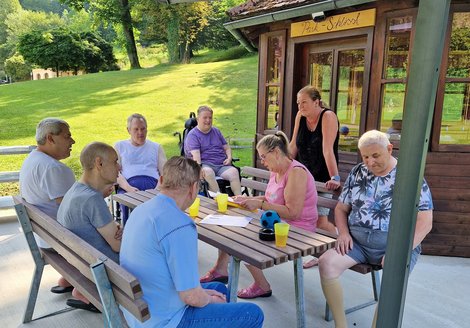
column 161, row 160
column 293, row 145
column 423, row 226
column 196, row 155
column 344, row 241
column 294, row 196
column 329, row 131
column 109, row 232
column 228, row 153
column 199, row 297
column 122, row 182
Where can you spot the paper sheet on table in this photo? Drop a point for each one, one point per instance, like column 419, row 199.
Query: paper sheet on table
column 226, row 220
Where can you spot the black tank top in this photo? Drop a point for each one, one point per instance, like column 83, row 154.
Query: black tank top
column 310, row 152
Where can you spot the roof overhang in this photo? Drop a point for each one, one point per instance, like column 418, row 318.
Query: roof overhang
column 327, row 5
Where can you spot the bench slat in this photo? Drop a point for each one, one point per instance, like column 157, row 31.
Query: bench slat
column 252, row 184
column 255, row 172
column 16, row 150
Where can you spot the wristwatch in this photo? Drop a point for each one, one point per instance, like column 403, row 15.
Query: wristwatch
column 336, row 178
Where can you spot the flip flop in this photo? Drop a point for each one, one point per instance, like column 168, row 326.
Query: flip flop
column 82, row 305
column 61, row 290
column 253, row 291
column 213, row 275
column 310, row 264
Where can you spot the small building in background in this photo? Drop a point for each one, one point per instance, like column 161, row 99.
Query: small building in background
column 41, row 74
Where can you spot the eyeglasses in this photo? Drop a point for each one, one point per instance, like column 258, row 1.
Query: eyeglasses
column 263, row 156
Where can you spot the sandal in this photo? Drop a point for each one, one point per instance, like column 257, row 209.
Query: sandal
column 82, row 305
column 61, row 290
column 213, row 275
column 310, row 264
column 253, row 291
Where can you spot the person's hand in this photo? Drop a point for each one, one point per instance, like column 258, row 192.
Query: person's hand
column 332, row 185
column 228, row 161
column 251, row 204
column 383, row 261
column 119, row 231
column 344, row 243
column 215, row 296
column 239, row 199
column 131, row 189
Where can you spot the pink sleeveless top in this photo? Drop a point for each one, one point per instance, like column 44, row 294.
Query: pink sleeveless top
column 275, row 195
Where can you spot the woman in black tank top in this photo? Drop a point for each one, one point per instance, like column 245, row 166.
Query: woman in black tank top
column 314, row 143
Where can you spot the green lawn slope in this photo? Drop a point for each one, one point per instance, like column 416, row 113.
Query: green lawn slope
column 97, row 105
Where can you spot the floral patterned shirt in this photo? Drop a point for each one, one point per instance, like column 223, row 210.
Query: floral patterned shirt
column 370, row 198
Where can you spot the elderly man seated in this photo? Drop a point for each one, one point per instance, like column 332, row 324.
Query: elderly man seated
column 159, row 247
column 207, row 146
column 362, row 217
column 85, row 212
column 142, row 160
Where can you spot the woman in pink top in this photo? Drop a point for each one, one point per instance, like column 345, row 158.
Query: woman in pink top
column 291, row 193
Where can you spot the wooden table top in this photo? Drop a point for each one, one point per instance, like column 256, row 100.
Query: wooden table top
column 244, row 243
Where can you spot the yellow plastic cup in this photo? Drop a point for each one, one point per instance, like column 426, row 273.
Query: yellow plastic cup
column 281, row 230
column 222, row 200
column 194, row 208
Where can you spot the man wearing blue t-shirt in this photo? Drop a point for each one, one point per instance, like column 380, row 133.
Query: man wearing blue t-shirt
column 159, row 247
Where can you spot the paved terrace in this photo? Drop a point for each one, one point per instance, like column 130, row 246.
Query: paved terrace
column 438, row 291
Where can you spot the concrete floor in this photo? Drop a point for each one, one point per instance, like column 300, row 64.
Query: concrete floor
column 438, row 292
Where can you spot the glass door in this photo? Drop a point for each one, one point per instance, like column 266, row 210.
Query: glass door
column 336, row 69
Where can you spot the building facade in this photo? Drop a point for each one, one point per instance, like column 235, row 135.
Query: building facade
column 357, row 53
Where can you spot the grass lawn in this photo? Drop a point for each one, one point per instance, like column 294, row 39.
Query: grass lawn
column 97, row 106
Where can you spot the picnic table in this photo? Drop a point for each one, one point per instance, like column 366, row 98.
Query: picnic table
column 243, row 244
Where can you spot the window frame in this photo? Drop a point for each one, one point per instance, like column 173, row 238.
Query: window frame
column 439, row 104
column 264, row 84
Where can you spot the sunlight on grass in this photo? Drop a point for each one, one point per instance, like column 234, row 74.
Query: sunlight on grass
column 97, row 105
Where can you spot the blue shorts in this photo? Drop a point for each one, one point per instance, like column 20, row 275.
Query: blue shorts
column 218, row 169
column 370, row 245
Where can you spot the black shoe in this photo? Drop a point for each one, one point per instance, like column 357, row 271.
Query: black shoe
column 82, row 305
column 61, row 290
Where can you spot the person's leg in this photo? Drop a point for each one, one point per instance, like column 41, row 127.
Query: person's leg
column 259, row 288
column 331, row 266
column 223, row 315
column 209, row 176
column 231, row 174
column 220, row 269
column 324, row 224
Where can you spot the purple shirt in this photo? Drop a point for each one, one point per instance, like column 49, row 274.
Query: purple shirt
column 210, row 145
column 275, row 195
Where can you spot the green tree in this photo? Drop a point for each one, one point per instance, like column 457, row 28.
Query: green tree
column 215, row 35
column 48, row 6
column 178, row 25
column 114, row 11
column 7, row 7
column 98, row 54
column 17, row 68
column 60, row 50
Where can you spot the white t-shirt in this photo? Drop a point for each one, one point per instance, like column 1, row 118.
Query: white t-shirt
column 147, row 159
column 42, row 180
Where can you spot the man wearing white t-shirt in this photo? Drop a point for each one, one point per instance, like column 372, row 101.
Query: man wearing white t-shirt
column 44, row 180
column 141, row 160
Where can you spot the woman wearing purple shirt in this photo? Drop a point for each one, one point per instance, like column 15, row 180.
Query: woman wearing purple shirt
column 206, row 145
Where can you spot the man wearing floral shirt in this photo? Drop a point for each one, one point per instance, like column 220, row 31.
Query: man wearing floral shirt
column 362, row 217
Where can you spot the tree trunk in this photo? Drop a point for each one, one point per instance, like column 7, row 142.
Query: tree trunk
column 131, row 48
column 173, row 38
column 186, row 57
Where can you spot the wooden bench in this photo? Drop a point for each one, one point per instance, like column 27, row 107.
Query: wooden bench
column 258, row 184
column 99, row 279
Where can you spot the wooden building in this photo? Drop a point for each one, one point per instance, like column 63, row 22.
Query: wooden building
column 357, row 53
